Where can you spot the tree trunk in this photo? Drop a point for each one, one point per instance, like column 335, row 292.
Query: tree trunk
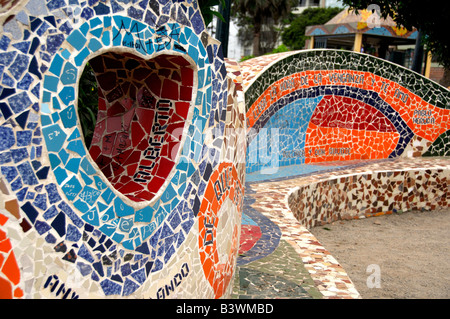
column 418, row 54
column 223, row 28
column 445, row 81
column 256, row 39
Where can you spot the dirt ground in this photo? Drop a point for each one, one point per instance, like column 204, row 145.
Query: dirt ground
column 397, row 256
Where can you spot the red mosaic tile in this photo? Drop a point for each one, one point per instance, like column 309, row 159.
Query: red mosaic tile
column 141, row 121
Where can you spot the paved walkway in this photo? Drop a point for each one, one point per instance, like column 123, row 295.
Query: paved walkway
column 280, row 258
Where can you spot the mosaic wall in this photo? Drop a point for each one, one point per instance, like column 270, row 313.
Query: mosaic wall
column 325, row 105
column 152, row 208
column 383, row 188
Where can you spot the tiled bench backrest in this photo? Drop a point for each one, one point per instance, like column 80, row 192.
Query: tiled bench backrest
column 313, row 106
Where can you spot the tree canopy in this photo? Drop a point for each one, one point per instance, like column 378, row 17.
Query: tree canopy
column 294, row 35
column 207, row 8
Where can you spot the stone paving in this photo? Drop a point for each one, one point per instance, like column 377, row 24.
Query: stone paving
column 286, row 260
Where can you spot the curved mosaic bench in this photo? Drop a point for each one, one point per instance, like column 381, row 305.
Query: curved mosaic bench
column 325, row 105
column 299, row 203
column 387, row 187
column 314, row 106
column 153, row 208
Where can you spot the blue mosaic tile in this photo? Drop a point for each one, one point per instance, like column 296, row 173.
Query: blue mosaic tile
column 25, row 83
column 87, row 180
column 72, row 188
column 55, row 4
column 51, row 83
column 43, row 173
column 54, row 137
column 90, row 195
column 77, row 146
column 71, row 214
column 19, row 66
column 73, row 165
column 94, row 45
column 54, row 43
column 35, row 23
column 122, row 209
column 81, row 206
column 59, row 224
column 7, row 80
column 9, row 172
column 16, row 185
column 54, row 160
column 22, row 119
column 72, row 234
column 22, row 46
column 33, row 68
column 53, row 195
column 125, row 224
column 110, row 288
column 7, row 138
column 96, row 33
column 27, row 173
column 34, row 45
column 50, row 239
column 63, row 155
column 23, row 138
column 57, row 64
column 66, row 28
column 101, row 9
column 19, row 102
column 51, row 20
column 84, row 269
column 19, row 154
column 7, row 58
column 92, row 217
column 30, row 195
column 87, row 13
column 69, row 117
column 60, row 175
column 5, row 157
column 42, row 28
column 108, row 196
column 4, row 42
column 77, row 40
column 6, row 111
column 21, row 194
column 67, row 95
column 42, row 227
column 30, row 211
column 135, row 13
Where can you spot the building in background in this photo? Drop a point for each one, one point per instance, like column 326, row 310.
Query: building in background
column 303, row 4
column 364, row 32
column 367, row 32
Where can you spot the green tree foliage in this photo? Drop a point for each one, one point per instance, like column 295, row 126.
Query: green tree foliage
column 294, row 35
column 207, row 8
column 281, row 48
